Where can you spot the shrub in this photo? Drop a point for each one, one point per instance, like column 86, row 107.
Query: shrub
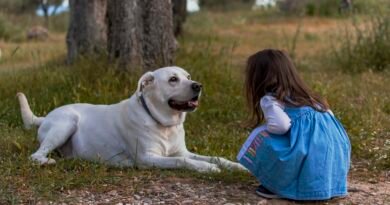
column 226, row 4
column 16, row 6
column 8, row 31
column 369, row 6
column 4, row 33
column 367, row 47
column 329, row 7
column 310, row 7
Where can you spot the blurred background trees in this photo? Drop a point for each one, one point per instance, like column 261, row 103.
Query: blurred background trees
column 14, row 6
column 87, row 32
column 141, row 33
column 145, row 36
column 179, row 9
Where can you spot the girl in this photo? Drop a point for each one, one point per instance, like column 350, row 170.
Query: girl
column 302, row 152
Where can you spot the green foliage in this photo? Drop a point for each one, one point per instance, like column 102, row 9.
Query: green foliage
column 15, row 6
column 310, row 7
column 226, row 4
column 366, row 47
column 329, row 7
column 9, row 31
column 23, row 6
column 323, row 8
column 371, row 6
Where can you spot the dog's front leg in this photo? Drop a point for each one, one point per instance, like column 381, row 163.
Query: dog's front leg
column 153, row 160
column 216, row 160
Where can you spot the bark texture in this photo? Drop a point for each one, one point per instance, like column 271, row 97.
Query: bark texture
column 87, row 32
column 345, row 5
column 179, row 15
column 140, row 33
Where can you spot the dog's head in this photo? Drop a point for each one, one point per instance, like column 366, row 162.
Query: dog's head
column 169, row 92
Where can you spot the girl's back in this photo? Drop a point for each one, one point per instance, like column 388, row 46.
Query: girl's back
column 301, row 152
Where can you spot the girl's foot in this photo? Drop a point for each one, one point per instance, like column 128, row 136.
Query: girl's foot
column 263, row 192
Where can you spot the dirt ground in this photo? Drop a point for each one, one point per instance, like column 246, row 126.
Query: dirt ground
column 174, row 190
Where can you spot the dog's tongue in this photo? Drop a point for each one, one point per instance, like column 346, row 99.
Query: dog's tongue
column 193, row 103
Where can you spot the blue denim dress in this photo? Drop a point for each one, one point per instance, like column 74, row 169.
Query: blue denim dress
column 309, row 162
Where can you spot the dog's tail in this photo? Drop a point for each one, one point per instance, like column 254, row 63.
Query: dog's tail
column 29, row 119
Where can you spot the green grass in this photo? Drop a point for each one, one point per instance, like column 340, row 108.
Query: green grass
column 53, row 85
column 214, row 52
column 366, row 47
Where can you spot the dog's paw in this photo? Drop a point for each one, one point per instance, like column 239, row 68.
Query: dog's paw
column 215, row 169
column 207, row 168
column 229, row 164
column 41, row 160
column 239, row 167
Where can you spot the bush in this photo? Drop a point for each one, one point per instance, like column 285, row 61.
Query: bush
column 329, row 7
column 226, row 4
column 367, row 47
column 310, row 7
column 4, row 33
column 16, row 6
column 369, row 6
column 8, row 31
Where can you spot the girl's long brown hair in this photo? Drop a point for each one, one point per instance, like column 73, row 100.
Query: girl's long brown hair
column 272, row 71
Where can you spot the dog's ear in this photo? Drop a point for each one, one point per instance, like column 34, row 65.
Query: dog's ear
column 146, row 80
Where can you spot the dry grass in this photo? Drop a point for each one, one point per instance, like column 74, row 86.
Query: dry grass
column 214, row 49
column 31, row 54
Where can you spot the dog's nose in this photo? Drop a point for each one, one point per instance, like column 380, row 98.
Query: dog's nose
column 196, row 87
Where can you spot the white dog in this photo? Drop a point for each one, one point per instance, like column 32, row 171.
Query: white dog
column 143, row 131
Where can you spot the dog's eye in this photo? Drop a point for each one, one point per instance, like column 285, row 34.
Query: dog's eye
column 189, row 77
column 173, row 79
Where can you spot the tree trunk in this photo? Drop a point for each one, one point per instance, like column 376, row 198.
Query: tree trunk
column 345, row 5
column 44, row 6
column 140, row 33
column 159, row 40
column 87, row 32
column 179, row 15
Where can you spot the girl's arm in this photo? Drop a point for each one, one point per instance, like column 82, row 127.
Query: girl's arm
column 277, row 121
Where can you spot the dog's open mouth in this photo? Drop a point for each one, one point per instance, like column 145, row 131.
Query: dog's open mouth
column 189, row 105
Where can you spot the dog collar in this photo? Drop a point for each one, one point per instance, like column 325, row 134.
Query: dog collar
column 142, row 99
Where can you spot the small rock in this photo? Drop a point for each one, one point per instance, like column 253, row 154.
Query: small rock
column 137, row 197
column 262, row 202
column 187, row 201
column 113, row 193
column 156, row 188
column 373, row 181
column 148, row 191
column 37, row 33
